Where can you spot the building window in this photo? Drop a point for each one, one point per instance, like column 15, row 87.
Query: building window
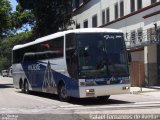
column 77, row 3
column 80, row 2
column 85, row 1
column 78, row 26
column 151, row 34
column 140, row 34
column 132, row 5
column 121, row 8
column 85, row 24
column 153, row 1
column 94, row 21
column 103, row 17
column 116, row 10
column 107, row 15
column 73, row 4
column 139, row 4
column 133, row 37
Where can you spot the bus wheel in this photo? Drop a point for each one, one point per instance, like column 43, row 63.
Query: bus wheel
column 26, row 87
column 21, row 86
column 62, row 93
column 103, row 98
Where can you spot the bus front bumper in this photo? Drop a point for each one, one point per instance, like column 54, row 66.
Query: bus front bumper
column 95, row 91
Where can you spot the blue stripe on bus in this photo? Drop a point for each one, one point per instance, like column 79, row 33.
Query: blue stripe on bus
column 36, row 78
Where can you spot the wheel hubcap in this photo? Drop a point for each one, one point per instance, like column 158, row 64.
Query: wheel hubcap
column 63, row 92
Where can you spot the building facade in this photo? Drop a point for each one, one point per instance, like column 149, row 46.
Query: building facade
column 140, row 22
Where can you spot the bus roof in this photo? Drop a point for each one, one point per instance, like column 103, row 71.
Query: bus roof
column 59, row 34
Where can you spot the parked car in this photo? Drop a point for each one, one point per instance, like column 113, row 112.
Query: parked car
column 5, row 73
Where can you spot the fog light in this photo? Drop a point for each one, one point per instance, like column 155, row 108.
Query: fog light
column 127, row 88
column 89, row 90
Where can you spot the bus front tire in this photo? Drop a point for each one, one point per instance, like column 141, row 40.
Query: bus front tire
column 62, row 93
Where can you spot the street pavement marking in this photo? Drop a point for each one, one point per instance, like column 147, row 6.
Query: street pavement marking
column 33, row 111
column 152, row 102
column 138, row 104
column 78, row 109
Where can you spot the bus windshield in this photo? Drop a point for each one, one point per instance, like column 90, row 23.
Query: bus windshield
column 101, row 55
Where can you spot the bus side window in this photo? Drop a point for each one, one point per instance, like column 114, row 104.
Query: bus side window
column 52, row 48
column 28, row 57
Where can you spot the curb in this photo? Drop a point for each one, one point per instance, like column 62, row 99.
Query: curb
column 137, row 90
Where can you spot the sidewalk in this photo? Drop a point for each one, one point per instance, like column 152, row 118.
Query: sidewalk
column 144, row 89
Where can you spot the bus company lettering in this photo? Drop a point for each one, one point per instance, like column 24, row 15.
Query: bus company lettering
column 112, row 36
column 34, row 67
column 109, row 37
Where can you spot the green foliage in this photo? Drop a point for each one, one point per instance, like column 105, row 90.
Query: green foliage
column 7, row 45
column 21, row 17
column 4, row 63
column 50, row 15
column 10, row 22
column 5, row 22
column 44, row 16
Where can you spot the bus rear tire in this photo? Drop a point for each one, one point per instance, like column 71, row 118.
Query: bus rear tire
column 21, row 86
column 62, row 93
column 26, row 87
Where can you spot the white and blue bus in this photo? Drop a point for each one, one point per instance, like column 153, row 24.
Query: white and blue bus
column 79, row 63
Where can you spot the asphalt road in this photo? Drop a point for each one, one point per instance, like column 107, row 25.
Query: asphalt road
column 38, row 106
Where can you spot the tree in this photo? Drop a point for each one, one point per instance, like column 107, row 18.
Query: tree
column 50, row 15
column 45, row 16
column 5, row 22
column 21, row 18
column 7, row 44
column 11, row 21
